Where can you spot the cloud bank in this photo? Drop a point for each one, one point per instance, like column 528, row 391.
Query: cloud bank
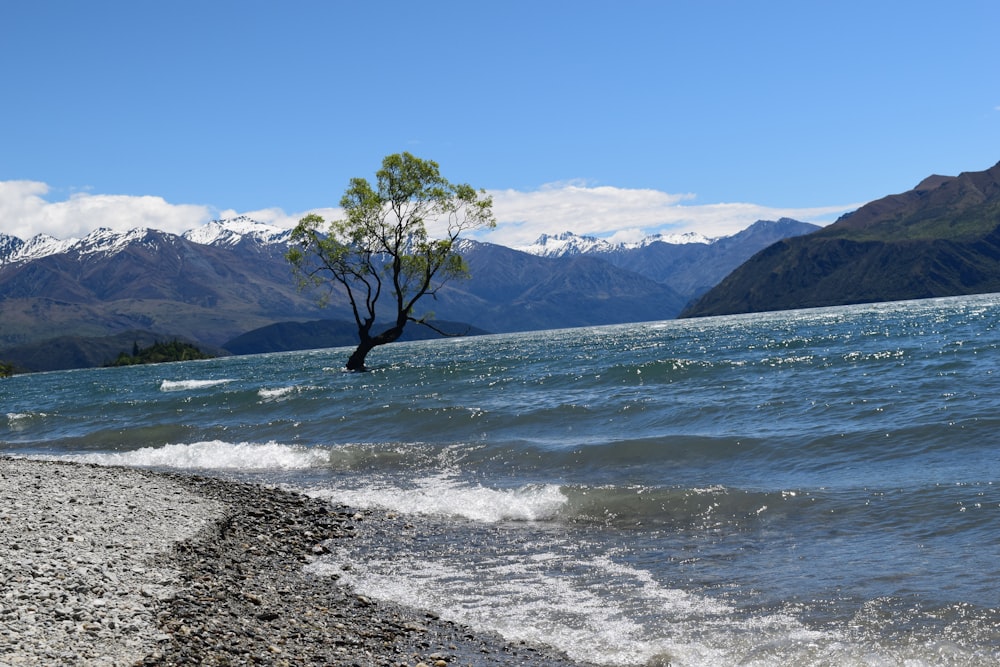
column 620, row 214
column 24, row 212
column 623, row 214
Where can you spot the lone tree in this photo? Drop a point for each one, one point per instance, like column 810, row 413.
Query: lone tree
column 381, row 249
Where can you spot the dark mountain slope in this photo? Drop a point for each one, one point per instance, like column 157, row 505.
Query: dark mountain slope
column 940, row 239
column 513, row 291
column 65, row 352
column 508, row 291
column 286, row 336
column 214, row 284
column 156, row 281
column 209, row 294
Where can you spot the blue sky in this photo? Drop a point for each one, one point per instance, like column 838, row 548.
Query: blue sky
column 608, row 118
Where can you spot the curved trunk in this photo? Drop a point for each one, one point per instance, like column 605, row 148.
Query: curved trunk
column 356, row 362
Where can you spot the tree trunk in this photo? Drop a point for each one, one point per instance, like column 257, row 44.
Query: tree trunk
column 357, row 361
column 368, row 343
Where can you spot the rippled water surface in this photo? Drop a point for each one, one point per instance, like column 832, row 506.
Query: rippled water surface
column 815, row 487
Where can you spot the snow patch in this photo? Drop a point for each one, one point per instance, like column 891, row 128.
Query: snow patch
column 106, row 241
column 233, row 230
column 568, row 243
column 41, row 245
column 9, row 245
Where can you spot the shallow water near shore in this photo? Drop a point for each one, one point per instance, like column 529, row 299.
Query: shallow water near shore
column 803, row 488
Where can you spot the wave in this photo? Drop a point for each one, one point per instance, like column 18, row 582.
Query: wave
column 279, row 393
column 444, row 496
column 23, row 421
column 580, row 486
column 918, row 512
column 533, row 600
column 210, row 455
column 186, row 385
column 15, row 417
column 603, row 604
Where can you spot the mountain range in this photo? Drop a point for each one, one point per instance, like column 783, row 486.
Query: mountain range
column 942, row 238
column 225, row 286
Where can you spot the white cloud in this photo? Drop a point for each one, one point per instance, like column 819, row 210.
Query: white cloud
column 24, row 212
column 627, row 214
column 619, row 214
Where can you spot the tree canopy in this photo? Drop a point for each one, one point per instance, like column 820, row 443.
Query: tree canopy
column 381, row 255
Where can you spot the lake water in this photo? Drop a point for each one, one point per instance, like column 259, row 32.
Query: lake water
column 817, row 487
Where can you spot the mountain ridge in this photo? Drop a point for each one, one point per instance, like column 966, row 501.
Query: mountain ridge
column 214, row 283
column 942, row 238
column 568, row 243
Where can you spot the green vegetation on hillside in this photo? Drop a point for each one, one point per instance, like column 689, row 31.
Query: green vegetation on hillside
column 6, row 370
column 924, row 224
column 940, row 239
column 159, row 353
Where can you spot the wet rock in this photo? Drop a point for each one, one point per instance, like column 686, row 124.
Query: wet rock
column 223, row 585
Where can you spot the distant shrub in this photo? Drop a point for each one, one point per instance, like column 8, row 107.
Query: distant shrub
column 6, row 370
column 159, row 353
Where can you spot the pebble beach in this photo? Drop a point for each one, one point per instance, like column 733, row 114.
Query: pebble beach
column 118, row 566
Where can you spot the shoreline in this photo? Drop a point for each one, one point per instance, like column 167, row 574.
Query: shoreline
column 122, row 566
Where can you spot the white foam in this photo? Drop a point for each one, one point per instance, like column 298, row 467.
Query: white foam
column 212, row 455
column 19, row 421
column 21, row 416
column 534, row 600
column 278, row 392
column 444, row 496
column 185, row 385
column 594, row 609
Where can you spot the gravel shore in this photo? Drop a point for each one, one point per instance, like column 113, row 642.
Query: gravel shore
column 113, row 566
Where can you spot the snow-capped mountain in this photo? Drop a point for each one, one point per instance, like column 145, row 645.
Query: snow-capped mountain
column 688, row 263
column 101, row 241
column 229, row 277
column 234, row 230
column 568, row 243
column 678, row 239
column 40, row 245
column 9, row 245
column 104, row 241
